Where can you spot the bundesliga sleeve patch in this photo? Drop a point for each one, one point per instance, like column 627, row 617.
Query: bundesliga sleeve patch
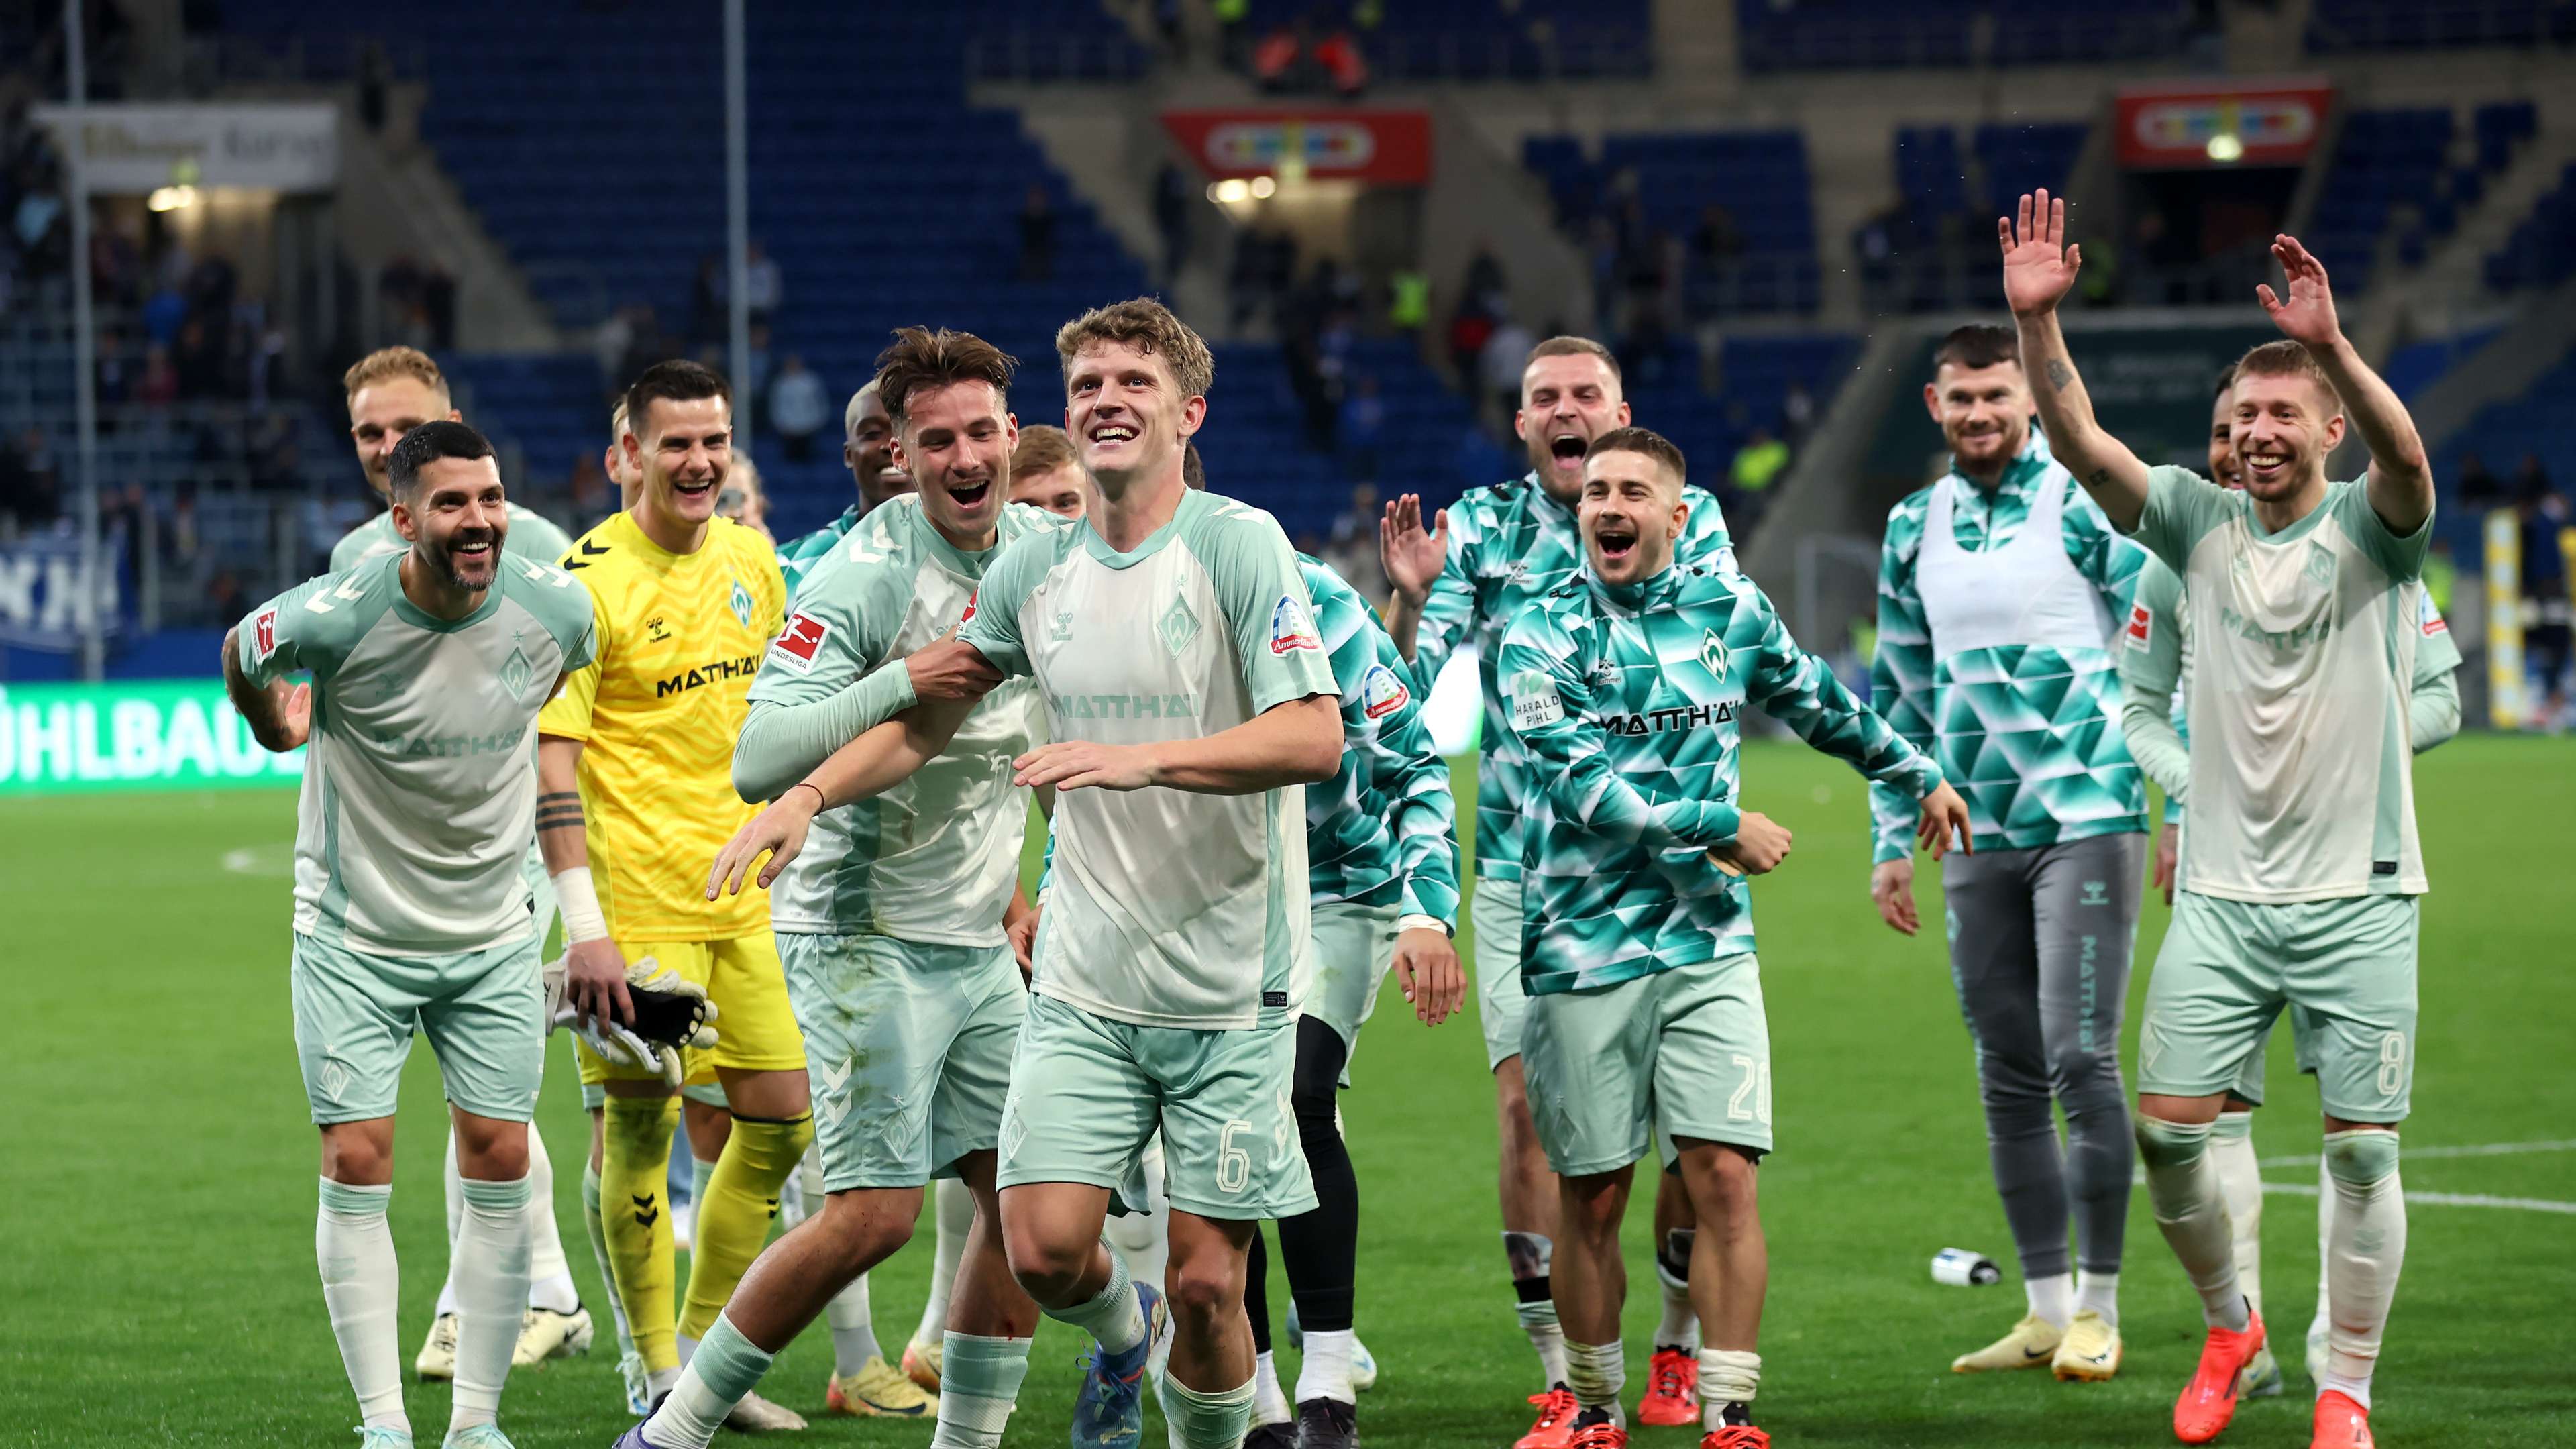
column 970, row 606
column 1290, row 629
column 263, row 636
column 2434, row 623
column 802, row 640
column 1535, row 701
column 2142, row 625
column 1381, row 693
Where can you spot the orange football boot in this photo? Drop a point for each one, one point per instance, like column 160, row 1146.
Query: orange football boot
column 2341, row 1423
column 1672, row 1389
column 1555, row 1426
column 2209, row 1400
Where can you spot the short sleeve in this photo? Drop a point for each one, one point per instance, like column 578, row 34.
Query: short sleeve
column 992, row 621
column 842, row 624
column 283, row 636
column 2402, row 557
column 2437, row 653
column 1267, row 608
column 533, row 535
column 2150, row 646
column 567, row 715
column 2181, row 507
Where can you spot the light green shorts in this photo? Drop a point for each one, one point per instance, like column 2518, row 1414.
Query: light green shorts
column 1354, row 945
column 1495, row 911
column 355, row 1013
column 1682, row 1053
column 908, row 1046
column 2345, row 968
column 2303, row 1050
column 1087, row 1092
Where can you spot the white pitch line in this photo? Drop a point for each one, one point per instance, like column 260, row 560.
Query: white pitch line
column 2442, row 1199
column 2412, row 1153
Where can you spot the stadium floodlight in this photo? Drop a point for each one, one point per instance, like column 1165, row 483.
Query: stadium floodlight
column 1263, row 188
column 2226, row 146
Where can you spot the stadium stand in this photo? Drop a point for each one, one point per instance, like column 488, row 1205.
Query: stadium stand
column 1660, row 183
column 2363, row 25
column 1942, row 237
column 2542, row 249
column 1903, row 34
column 1479, row 40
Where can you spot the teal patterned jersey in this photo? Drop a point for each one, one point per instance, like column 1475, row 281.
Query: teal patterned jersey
column 798, row 556
column 1508, row 546
column 2030, row 734
column 1382, row 831
column 1626, row 701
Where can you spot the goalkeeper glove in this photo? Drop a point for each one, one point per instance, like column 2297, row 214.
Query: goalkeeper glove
column 671, row 1013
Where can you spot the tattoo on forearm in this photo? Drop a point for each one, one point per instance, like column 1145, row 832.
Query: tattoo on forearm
column 2098, row 478
column 2060, row 376
column 559, row 810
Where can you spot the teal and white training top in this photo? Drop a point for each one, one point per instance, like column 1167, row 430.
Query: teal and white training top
column 420, row 787
column 1166, row 907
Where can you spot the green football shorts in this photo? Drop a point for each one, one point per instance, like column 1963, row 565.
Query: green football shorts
column 355, row 1013
column 1685, row 1052
column 908, row 1048
column 1354, row 945
column 1495, row 912
column 1087, row 1092
column 2345, row 968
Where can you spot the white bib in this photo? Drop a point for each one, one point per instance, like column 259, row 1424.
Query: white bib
column 2026, row 592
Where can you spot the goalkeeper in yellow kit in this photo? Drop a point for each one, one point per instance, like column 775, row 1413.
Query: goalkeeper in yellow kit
column 636, row 795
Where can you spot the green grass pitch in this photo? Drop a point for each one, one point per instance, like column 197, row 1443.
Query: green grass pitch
column 160, row 1170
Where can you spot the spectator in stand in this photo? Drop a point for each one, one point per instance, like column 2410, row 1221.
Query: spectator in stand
column 1037, row 234
column 1470, row 328
column 1351, row 548
column 1172, row 190
column 586, row 490
column 224, row 598
column 799, row 409
column 743, row 498
column 1797, row 414
column 762, row 286
column 2478, row 486
column 1363, row 427
column 1487, row 289
column 1408, row 301
column 159, row 384
column 1505, row 358
column 30, row 490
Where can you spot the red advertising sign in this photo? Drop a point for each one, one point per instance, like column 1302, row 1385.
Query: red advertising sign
column 1391, row 148
column 2222, row 123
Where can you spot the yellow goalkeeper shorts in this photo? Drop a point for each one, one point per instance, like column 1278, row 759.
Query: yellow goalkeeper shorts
column 755, row 1025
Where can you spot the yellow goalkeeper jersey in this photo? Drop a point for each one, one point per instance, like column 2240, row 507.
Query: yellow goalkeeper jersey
column 680, row 637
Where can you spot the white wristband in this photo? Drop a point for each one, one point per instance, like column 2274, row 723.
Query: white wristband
column 1419, row 922
column 579, row 901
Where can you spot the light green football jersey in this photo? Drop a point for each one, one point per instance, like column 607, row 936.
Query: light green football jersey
column 1627, row 701
column 1166, row 907
column 800, row 555
column 1383, row 831
column 2026, row 724
column 420, row 787
column 935, row 858
column 2304, row 646
column 531, row 535
column 1508, row 546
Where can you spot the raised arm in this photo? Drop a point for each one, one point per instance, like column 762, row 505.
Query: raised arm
column 875, row 762
column 1429, row 591
column 2039, row 270
column 2401, row 477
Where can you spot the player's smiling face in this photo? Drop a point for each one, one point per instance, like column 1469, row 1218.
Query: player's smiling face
column 869, row 451
column 683, row 448
column 1631, row 512
column 2282, row 433
column 1984, row 413
column 381, row 412
column 1058, row 490
column 456, row 519
column 2222, row 442
column 1566, row 402
column 956, row 443
column 1125, row 413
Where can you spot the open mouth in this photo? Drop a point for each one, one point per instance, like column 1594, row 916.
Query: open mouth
column 1112, row 435
column 473, row 550
column 1567, row 449
column 1616, row 541
column 2265, row 465
column 968, row 495
column 687, row 489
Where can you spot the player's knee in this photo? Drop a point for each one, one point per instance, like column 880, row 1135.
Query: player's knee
column 858, row 1235
column 1205, row 1289
column 2080, row 1072
column 1591, row 1207
column 2361, row 1158
column 356, row 1158
column 1049, row 1268
column 2163, row 1144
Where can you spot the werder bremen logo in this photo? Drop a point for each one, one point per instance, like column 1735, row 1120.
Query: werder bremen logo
column 516, row 671
column 1178, row 625
column 741, row 603
column 1712, row 653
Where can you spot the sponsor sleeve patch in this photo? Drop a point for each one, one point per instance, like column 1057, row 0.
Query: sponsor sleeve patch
column 2434, row 623
column 1290, row 629
column 1535, row 702
column 263, row 635
column 1381, row 693
column 796, row 647
column 2142, row 625
column 970, row 606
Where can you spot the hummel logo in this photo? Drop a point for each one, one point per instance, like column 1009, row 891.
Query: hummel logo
column 589, row 551
column 646, row 1213
column 773, row 1209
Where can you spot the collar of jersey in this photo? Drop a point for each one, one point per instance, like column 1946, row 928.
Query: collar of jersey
column 2297, row 528
column 420, row 618
column 957, row 560
column 2028, row 464
column 1107, row 557
column 1541, row 498
column 1652, row 592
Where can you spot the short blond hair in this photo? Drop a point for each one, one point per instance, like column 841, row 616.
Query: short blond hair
column 1147, row 326
column 2288, row 359
column 1574, row 347
column 617, row 423
column 387, row 363
column 1043, row 447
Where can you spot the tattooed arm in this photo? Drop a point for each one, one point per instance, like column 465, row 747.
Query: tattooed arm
column 2039, row 270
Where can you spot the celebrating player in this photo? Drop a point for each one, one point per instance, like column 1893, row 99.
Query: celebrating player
column 636, row 766
column 411, row 907
column 1044, row 473
column 2155, row 668
column 1468, row 577
column 868, row 448
column 392, row 391
column 1174, row 643
column 2300, row 872
column 1645, row 1001
column 2000, row 588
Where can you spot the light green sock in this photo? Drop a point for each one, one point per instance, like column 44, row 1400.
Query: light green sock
column 725, row 1367
column 1112, row 1315
column 1207, row 1420
column 979, row 1384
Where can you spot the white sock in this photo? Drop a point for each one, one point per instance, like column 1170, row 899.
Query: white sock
column 1111, row 1316
column 979, row 1384
column 549, row 1276
column 453, row 1182
column 2325, row 1241
column 1326, row 1372
column 1726, row 1376
column 2240, row 1181
column 2051, row 1299
column 1549, row 1341
column 2366, row 1251
column 2098, row 1293
column 854, row 1332
column 955, row 1209
column 658, row 1382
column 1269, row 1402
column 1597, row 1372
column 2182, row 1187
column 1679, row 1327
column 490, row 1267
column 355, row 1251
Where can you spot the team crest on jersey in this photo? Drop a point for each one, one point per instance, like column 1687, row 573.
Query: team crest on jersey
column 1381, row 693
column 740, row 603
column 2142, row 626
column 263, row 636
column 2321, row 564
column 1712, row 653
column 797, row 645
column 516, row 671
column 1290, row 629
